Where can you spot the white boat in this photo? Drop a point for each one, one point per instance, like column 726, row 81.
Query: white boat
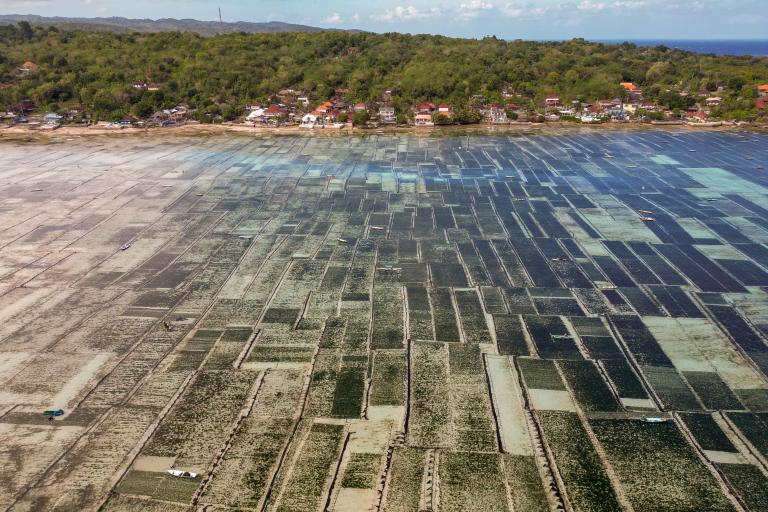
column 182, row 474
column 341, row 240
column 377, row 228
column 245, row 237
column 647, row 219
column 645, row 212
column 125, row 247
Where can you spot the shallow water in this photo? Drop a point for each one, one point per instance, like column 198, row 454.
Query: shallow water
column 428, row 307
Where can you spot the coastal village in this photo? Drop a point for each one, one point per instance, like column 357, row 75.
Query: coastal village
column 291, row 107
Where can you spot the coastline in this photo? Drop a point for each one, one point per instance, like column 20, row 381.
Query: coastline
column 29, row 133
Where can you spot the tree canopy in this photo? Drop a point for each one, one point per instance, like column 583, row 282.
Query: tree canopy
column 224, row 73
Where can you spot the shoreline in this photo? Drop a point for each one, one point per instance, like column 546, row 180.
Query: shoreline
column 28, row 133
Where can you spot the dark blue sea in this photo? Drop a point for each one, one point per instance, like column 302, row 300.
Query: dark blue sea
column 756, row 47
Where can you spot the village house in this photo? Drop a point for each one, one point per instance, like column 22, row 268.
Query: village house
column 714, row 101
column 387, row 95
column 423, row 119
column 25, row 106
column 310, row 120
column 359, row 108
column 28, row 67
column 696, row 116
column 332, row 115
column 494, row 114
column 634, row 92
column 52, row 119
column 762, row 90
column 387, row 115
column 302, row 100
column 552, row 101
column 274, row 112
column 761, row 103
column 608, row 104
column 425, row 108
column 445, row 109
column 140, row 85
column 256, row 115
column 628, row 86
column 153, row 87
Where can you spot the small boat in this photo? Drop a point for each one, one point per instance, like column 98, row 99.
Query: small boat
column 653, row 419
column 519, row 199
column 645, row 212
column 199, row 195
column 560, row 258
column 377, row 228
column 647, row 219
column 37, row 190
column 182, row 474
column 53, row 413
column 245, row 237
column 341, row 240
column 631, row 167
column 125, row 247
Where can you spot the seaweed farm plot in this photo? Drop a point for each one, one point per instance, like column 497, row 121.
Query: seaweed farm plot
column 524, row 322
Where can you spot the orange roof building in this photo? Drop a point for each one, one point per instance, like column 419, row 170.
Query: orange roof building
column 763, row 88
column 628, row 86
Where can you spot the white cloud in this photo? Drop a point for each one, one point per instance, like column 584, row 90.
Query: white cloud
column 406, row 13
column 334, row 18
column 587, row 5
column 525, row 10
column 473, row 8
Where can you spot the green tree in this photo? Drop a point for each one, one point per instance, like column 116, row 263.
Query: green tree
column 360, row 118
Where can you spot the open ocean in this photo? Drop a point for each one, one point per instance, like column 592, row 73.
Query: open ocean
column 756, row 47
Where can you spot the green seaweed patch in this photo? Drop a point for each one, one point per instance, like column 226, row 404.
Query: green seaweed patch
column 362, row 471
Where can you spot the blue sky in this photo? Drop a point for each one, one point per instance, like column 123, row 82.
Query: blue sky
column 509, row 19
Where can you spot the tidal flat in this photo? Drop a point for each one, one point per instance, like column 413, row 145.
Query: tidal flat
column 392, row 322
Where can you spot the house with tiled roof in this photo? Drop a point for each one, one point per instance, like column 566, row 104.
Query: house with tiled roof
column 762, row 90
column 425, row 107
column 28, row 67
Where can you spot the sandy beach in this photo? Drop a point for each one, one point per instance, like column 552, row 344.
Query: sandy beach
column 21, row 132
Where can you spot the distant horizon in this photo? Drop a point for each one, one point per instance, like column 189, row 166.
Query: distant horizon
column 507, row 19
column 534, row 39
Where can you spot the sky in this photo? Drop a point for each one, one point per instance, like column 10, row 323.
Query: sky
column 507, row 19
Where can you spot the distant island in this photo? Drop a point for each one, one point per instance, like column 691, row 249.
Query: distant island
column 311, row 78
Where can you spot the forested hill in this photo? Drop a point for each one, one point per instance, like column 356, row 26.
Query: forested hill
column 98, row 69
column 117, row 24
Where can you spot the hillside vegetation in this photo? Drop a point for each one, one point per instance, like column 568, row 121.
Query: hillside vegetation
column 221, row 74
